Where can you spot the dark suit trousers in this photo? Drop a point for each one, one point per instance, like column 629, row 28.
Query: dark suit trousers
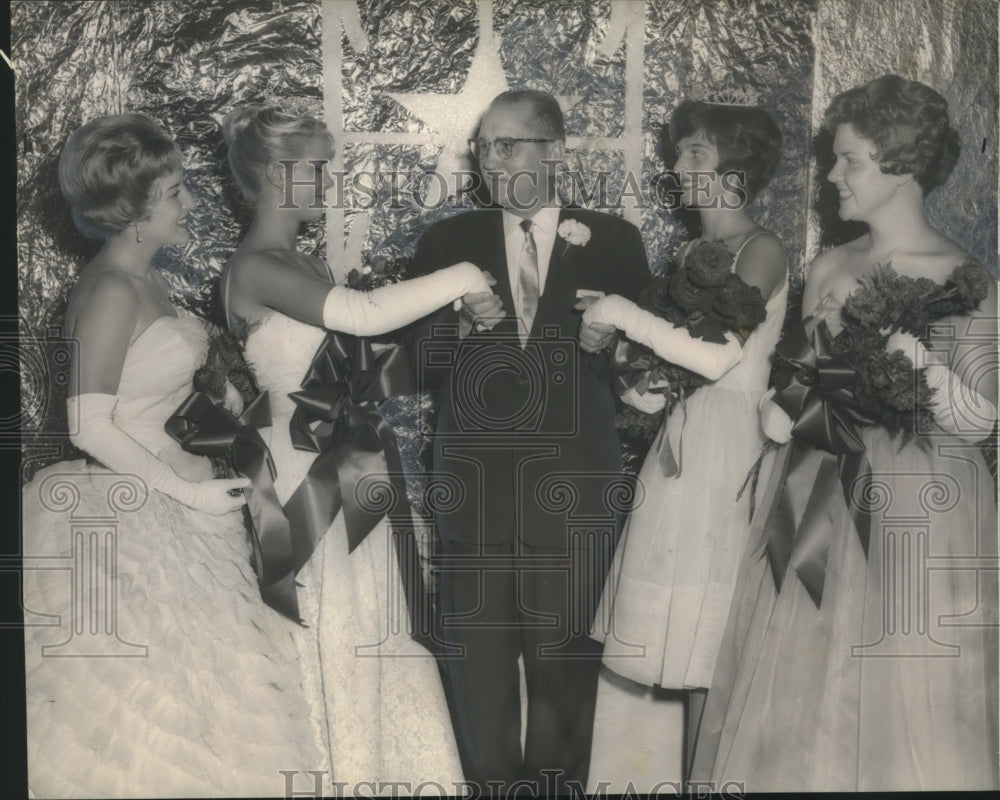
column 500, row 602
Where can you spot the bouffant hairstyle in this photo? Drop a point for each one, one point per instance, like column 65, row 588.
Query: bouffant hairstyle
column 108, row 168
column 259, row 136
column 748, row 138
column 908, row 124
column 544, row 108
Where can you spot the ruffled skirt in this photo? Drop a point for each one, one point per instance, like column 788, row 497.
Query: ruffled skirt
column 153, row 668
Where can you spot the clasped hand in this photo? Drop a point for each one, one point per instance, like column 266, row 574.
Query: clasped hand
column 482, row 310
column 594, row 336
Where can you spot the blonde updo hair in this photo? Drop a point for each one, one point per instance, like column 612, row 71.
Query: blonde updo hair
column 107, row 170
column 258, row 136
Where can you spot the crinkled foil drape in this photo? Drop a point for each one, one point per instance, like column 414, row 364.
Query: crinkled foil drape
column 185, row 64
column 384, row 73
column 581, row 53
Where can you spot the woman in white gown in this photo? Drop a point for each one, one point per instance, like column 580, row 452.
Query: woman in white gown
column 665, row 604
column 378, row 691
column 860, row 653
column 190, row 686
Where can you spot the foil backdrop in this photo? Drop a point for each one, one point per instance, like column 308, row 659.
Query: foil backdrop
column 402, row 83
column 950, row 45
column 184, row 64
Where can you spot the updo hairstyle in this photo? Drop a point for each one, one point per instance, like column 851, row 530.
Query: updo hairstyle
column 259, row 136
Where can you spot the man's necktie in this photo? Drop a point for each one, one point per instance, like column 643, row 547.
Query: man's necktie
column 528, row 282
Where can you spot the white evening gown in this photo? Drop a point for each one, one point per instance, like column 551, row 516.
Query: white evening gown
column 386, row 714
column 168, row 677
column 667, row 597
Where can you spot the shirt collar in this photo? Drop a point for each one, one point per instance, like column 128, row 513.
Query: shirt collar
column 546, row 219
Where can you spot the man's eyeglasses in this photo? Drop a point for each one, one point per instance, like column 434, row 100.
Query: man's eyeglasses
column 504, row 146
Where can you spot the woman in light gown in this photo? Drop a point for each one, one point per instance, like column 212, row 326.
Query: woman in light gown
column 161, row 673
column 665, row 603
column 877, row 669
column 378, row 691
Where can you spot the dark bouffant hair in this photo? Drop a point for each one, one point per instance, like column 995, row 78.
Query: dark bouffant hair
column 544, row 107
column 107, row 170
column 908, row 124
column 748, row 138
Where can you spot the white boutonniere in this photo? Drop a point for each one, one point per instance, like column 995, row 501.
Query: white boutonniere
column 574, row 232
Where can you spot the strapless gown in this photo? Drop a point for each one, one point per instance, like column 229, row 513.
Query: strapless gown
column 153, row 668
column 385, row 710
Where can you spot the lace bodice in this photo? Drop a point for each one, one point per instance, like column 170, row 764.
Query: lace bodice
column 280, row 349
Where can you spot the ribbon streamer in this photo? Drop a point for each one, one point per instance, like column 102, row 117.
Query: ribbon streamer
column 203, row 427
column 337, row 418
column 815, row 388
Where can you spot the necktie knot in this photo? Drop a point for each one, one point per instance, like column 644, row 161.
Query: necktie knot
column 529, row 239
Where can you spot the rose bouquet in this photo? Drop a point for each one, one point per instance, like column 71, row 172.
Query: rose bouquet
column 888, row 388
column 383, row 272
column 702, row 295
column 227, row 378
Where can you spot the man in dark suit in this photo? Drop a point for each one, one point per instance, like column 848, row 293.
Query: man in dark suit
column 526, row 476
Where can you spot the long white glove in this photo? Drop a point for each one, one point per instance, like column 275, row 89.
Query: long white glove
column 389, row 307
column 957, row 408
column 118, row 451
column 775, row 423
column 669, row 343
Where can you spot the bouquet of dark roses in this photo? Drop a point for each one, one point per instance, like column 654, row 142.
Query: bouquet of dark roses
column 228, row 378
column 889, row 388
column 854, row 378
column 381, row 272
column 703, row 295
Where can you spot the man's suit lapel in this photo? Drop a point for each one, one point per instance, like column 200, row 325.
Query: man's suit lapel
column 562, row 274
column 493, row 258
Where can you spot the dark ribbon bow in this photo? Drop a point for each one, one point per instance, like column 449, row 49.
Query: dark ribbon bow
column 633, row 369
column 337, row 417
column 632, row 366
column 815, row 388
column 203, row 427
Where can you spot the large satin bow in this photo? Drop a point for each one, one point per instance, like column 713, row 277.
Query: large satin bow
column 337, row 417
column 815, row 387
column 203, row 427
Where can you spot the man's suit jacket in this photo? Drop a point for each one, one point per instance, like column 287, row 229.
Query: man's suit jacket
column 526, row 444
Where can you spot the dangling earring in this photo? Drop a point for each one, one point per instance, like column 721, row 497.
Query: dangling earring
column 138, row 236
